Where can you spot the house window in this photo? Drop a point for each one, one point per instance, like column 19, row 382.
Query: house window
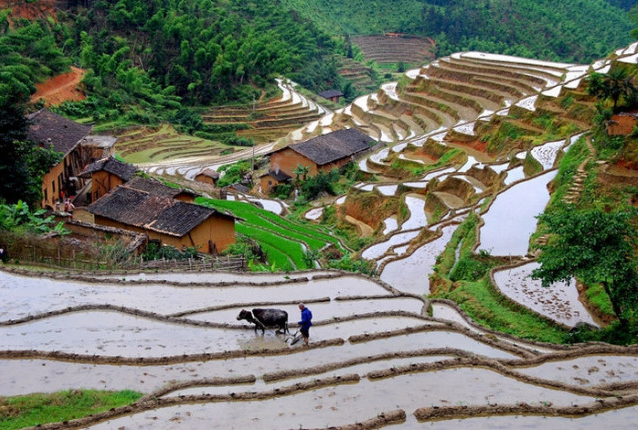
column 46, row 195
column 53, row 186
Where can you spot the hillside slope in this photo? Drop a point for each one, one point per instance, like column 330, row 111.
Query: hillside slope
column 551, row 29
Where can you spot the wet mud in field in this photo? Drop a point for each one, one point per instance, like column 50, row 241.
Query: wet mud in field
column 376, row 358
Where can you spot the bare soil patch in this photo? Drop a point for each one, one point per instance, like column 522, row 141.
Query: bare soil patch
column 60, row 88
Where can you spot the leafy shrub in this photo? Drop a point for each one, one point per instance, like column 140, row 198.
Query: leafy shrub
column 282, row 191
column 468, row 269
column 157, row 251
column 357, row 266
column 247, row 247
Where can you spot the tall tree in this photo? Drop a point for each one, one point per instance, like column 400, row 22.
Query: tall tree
column 597, row 248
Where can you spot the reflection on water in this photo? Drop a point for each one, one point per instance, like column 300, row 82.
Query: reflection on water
column 411, row 274
column 514, row 174
column 511, row 219
column 377, row 250
column 546, row 153
column 390, row 224
column 418, row 217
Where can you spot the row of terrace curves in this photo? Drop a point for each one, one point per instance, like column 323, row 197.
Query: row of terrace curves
column 460, row 89
column 376, row 357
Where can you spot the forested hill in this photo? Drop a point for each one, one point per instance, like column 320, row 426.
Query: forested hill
column 562, row 30
column 205, row 49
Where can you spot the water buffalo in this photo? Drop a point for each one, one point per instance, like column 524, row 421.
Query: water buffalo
column 263, row 318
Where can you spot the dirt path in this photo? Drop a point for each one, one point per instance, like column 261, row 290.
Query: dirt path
column 60, row 88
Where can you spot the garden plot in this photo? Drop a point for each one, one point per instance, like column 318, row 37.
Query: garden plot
column 344, row 404
column 30, row 297
column 333, row 309
column 600, row 370
column 377, row 250
column 546, row 153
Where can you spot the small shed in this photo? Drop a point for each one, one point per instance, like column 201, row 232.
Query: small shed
column 158, row 188
column 106, row 174
column 272, row 179
column 332, row 95
column 208, row 176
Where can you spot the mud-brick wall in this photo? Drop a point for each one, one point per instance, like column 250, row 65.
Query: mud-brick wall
column 220, row 230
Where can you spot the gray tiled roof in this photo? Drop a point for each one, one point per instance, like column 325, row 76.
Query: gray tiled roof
column 48, row 128
column 111, row 165
column 334, row 146
column 156, row 213
column 330, row 93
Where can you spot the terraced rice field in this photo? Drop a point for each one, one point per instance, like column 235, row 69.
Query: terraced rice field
column 393, row 49
column 284, row 241
column 166, row 144
column 375, row 358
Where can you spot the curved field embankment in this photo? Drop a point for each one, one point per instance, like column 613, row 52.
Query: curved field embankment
column 374, row 358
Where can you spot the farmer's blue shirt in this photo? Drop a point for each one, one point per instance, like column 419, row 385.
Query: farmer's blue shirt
column 305, row 323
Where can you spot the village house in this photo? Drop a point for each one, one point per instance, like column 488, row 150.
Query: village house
column 208, row 176
column 50, row 130
column 322, row 153
column 332, row 95
column 272, row 179
column 156, row 187
column 171, row 221
column 106, row 174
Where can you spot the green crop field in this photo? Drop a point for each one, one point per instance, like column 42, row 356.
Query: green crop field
column 283, row 241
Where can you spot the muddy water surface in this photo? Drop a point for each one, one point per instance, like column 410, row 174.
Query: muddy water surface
column 511, row 219
column 343, row 404
column 559, row 301
column 411, row 274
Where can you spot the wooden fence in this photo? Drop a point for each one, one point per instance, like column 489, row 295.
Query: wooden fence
column 54, row 258
column 229, row 262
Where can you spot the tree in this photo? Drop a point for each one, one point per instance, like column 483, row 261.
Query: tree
column 301, row 170
column 22, row 164
column 616, row 86
column 597, row 248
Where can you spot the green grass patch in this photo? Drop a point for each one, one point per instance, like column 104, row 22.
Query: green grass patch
column 475, row 294
column 315, row 238
column 597, row 297
column 269, row 242
column 19, row 412
column 485, row 306
column 281, row 239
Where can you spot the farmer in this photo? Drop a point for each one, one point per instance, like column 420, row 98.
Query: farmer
column 305, row 322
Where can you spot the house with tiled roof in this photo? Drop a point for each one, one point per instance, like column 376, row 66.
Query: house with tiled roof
column 106, row 174
column 172, row 222
column 272, row 179
column 50, row 130
column 208, row 176
column 322, row 153
column 332, row 95
column 158, row 188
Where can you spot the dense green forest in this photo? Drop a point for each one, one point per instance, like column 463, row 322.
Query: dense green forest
column 573, row 31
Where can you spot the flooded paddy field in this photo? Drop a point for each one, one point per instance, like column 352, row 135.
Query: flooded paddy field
column 375, row 357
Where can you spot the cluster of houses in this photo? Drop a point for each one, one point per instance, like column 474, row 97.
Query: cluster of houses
column 102, row 192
